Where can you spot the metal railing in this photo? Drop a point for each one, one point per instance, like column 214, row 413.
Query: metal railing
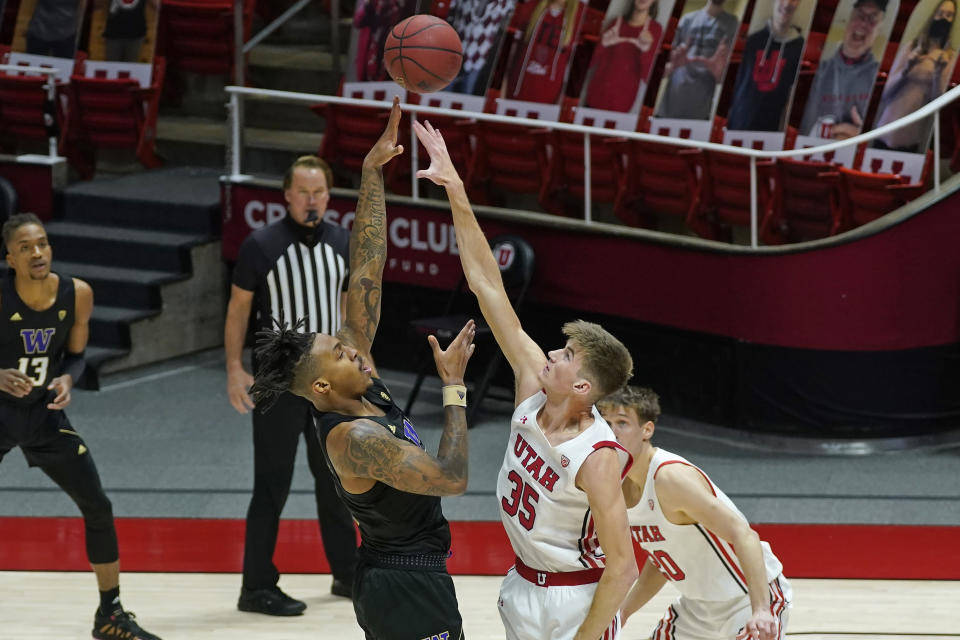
column 50, row 86
column 238, row 94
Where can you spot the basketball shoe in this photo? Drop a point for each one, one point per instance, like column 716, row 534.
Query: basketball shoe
column 119, row 625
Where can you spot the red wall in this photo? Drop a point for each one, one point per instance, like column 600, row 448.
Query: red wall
column 896, row 289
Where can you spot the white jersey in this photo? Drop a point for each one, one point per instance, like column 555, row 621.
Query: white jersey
column 547, row 518
column 700, row 564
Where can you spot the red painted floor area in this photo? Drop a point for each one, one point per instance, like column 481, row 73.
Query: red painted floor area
column 479, row 548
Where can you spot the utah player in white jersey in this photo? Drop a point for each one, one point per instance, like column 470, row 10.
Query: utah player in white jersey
column 690, row 533
column 559, row 486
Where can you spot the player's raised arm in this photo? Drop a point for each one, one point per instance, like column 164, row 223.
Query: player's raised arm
column 480, row 267
column 363, row 449
column 368, row 242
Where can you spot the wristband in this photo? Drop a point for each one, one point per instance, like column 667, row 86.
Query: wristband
column 74, row 364
column 455, row 395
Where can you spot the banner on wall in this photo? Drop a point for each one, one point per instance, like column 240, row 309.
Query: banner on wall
column 693, row 78
column 843, row 83
column 617, row 79
column 921, row 71
column 768, row 73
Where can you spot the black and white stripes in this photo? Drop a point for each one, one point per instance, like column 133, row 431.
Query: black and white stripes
column 306, row 282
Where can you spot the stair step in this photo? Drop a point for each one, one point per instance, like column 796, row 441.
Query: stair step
column 111, row 245
column 123, row 287
column 180, row 199
column 110, row 326
column 95, row 357
column 191, row 140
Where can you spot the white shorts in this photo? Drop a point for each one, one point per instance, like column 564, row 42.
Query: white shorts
column 530, row 612
column 688, row 619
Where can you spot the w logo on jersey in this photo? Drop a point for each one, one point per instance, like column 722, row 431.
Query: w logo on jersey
column 36, row 340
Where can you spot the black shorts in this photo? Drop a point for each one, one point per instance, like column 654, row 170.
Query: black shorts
column 404, row 604
column 44, row 435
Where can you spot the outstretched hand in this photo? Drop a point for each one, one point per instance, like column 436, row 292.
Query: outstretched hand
column 386, row 148
column 452, row 361
column 441, row 170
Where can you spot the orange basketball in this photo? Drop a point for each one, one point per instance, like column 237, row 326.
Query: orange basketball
column 423, row 53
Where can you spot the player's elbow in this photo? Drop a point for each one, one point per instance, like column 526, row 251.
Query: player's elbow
column 623, row 569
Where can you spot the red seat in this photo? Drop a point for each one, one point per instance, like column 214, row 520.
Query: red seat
column 197, row 36
column 804, row 202
column 864, row 197
column 113, row 113
column 726, row 196
column 456, row 134
column 24, row 106
column 565, row 171
column 511, row 158
column 351, row 131
column 656, row 179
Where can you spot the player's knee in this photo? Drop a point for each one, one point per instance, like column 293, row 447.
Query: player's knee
column 98, row 512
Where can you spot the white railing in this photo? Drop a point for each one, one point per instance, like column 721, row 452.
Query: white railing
column 50, row 86
column 240, row 93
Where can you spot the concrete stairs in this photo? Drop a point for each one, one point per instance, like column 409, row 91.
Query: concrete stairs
column 295, row 57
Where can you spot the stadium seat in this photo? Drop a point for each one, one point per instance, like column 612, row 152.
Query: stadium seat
column 27, row 116
column 456, row 134
column 804, row 202
column 516, row 260
column 351, row 131
column 511, row 158
column 864, row 197
column 112, row 109
column 656, row 179
column 197, row 36
column 726, row 200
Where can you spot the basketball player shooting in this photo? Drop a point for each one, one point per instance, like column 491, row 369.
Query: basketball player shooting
column 382, row 471
column 559, row 486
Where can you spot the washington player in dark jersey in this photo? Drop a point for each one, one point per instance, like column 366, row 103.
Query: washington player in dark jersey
column 44, row 326
column 391, row 485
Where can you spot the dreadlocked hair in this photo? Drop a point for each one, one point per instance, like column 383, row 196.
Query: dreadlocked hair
column 279, row 351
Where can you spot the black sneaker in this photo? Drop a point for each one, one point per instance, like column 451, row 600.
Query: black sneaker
column 342, row 588
column 272, row 602
column 119, row 625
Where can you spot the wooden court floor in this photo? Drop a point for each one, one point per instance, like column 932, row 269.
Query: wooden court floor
column 37, row 605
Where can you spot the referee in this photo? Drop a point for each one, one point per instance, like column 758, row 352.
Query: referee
column 294, row 268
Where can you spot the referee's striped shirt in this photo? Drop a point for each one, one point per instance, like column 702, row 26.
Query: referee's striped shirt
column 295, row 273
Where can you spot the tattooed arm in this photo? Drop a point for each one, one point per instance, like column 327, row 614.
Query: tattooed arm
column 368, row 242
column 362, row 452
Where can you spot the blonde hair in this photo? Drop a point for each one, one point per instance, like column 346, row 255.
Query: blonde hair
column 308, row 162
column 570, row 10
column 605, row 361
column 643, row 400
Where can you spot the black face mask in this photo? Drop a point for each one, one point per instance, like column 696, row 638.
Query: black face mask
column 940, row 30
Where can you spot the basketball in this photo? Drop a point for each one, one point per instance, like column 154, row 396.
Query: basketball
column 423, row 53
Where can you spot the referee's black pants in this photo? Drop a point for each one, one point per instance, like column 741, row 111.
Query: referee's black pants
column 276, row 434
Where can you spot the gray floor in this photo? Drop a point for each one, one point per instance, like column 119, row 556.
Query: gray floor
column 168, row 444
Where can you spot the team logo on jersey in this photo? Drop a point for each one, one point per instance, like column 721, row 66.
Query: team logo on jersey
column 61, row 314
column 650, row 504
column 16, row 317
column 523, row 420
column 564, row 461
column 81, row 450
column 393, row 428
column 36, row 340
column 383, row 394
column 443, row 635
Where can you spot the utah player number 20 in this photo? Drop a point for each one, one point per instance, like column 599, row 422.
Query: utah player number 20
column 520, row 502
